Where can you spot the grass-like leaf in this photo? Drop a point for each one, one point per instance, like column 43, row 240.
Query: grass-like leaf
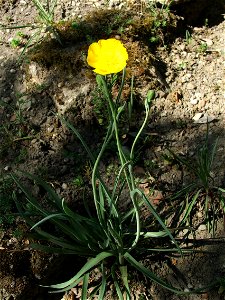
column 149, row 274
column 46, row 219
column 85, row 287
column 103, row 283
column 157, row 217
column 123, row 270
column 116, row 283
column 46, row 16
column 86, row 268
column 189, row 206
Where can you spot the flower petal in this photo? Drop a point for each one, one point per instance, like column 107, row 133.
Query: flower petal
column 107, row 56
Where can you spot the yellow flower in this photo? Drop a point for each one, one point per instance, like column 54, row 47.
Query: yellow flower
column 107, row 56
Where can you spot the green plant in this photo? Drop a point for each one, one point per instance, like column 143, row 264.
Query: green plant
column 160, row 20
column 109, row 237
column 203, row 47
column 19, row 40
column 206, row 23
column 202, row 189
column 15, row 43
column 99, row 107
column 182, row 65
column 78, row 181
column 21, row 34
column 44, row 25
column 188, row 36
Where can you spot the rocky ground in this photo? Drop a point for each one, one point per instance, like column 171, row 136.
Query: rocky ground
column 184, row 64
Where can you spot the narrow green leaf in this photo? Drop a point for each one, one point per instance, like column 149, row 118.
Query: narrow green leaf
column 85, row 287
column 21, row 210
column 84, row 229
column 156, row 215
column 75, row 247
column 95, row 290
column 29, row 196
column 73, row 129
column 45, row 16
column 103, row 284
column 101, row 205
column 69, row 287
column 121, row 86
column 86, row 268
column 55, row 199
column 150, row 275
column 140, row 130
column 156, row 234
column 116, row 235
column 29, row 43
column 117, row 286
column 103, row 194
column 123, row 270
column 190, row 207
column 137, row 217
column 118, row 177
column 46, row 219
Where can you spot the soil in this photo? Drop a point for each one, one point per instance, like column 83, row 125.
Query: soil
column 183, row 61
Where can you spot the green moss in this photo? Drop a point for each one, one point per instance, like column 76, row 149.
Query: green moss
column 76, row 35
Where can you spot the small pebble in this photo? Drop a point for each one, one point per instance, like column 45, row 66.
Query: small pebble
column 201, row 103
column 199, row 214
column 193, row 101
column 60, row 84
column 197, row 116
column 190, row 86
column 50, row 128
column 202, row 227
column 64, row 186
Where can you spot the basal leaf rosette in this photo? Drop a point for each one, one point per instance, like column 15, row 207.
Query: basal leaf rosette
column 107, row 56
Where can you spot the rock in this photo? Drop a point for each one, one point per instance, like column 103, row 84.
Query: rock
column 205, row 119
column 193, row 100
column 202, row 227
column 197, row 117
column 64, row 186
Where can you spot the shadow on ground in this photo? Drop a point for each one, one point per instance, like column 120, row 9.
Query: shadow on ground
column 51, row 151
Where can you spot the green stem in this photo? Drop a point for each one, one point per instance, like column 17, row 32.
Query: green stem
column 131, row 102
column 121, row 86
column 114, row 119
column 122, row 157
column 140, row 130
column 95, row 168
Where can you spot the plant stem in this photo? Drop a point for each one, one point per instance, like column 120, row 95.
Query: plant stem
column 123, row 160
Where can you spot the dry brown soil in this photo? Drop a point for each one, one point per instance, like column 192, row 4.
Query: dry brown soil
column 186, row 69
